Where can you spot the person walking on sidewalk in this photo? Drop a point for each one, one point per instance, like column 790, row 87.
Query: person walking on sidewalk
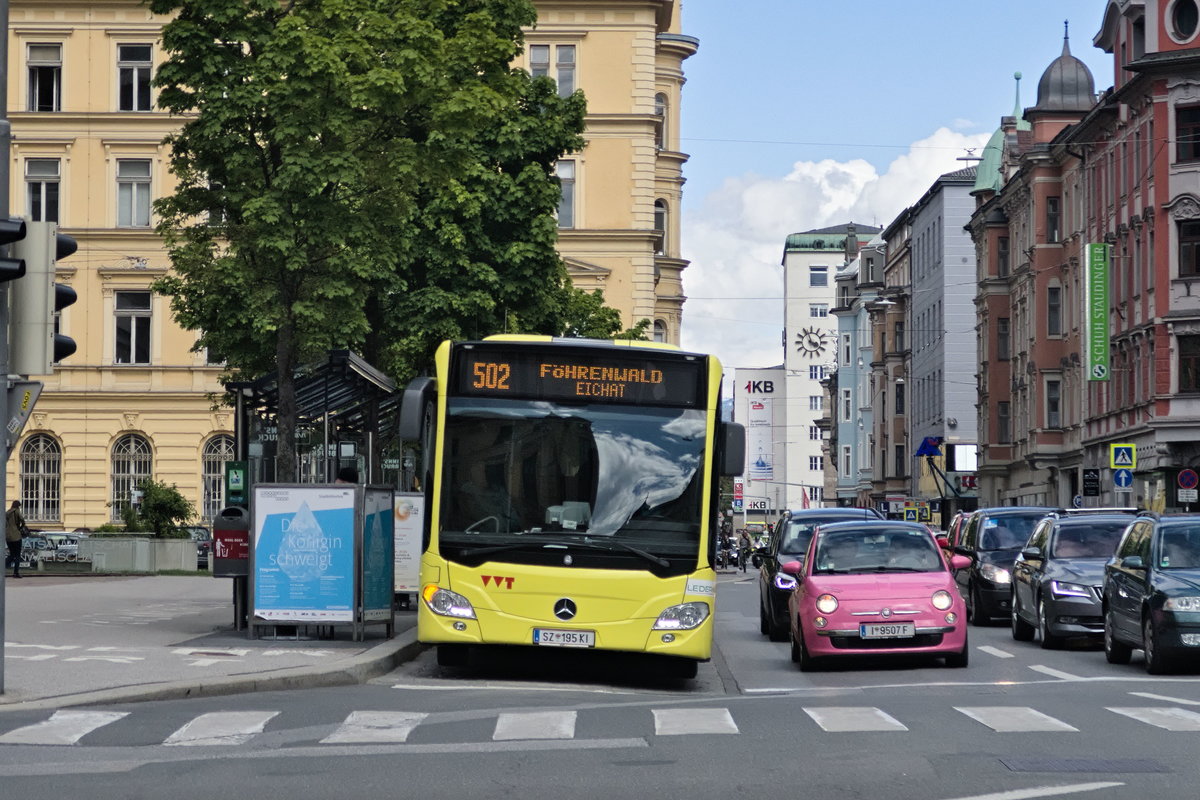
column 14, row 532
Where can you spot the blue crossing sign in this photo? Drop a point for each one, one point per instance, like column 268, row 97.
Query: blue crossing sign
column 1122, row 456
column 1122, row 478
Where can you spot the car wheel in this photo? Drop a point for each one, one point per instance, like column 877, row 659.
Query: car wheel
column 1022, row 631
column 1115, row 652
column 764, row 624
column 1049, row 640
column 977, row 617
column 1157, row 662
column 800, row 654
column 960, row 659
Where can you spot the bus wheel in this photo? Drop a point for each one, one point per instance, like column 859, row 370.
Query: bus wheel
column 683, row 668
column 452, row 655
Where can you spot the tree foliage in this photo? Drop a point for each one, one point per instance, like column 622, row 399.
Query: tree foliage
column 372, row 174
column 586, row 316
column 162, row 509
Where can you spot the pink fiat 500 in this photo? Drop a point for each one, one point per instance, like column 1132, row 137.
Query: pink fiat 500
column 876, row 588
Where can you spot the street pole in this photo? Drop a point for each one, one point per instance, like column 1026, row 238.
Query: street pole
column 5, row 146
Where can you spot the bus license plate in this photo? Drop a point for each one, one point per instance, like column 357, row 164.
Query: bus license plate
column 887, row 630
column 556, row 638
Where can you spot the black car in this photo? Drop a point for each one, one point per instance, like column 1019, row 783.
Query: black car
column 1152, row 592
column 202, row 536
column 789, row 540
column 992, row 538
column 1058, row 578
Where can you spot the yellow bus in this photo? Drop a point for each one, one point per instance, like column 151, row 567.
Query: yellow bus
column 572, row 489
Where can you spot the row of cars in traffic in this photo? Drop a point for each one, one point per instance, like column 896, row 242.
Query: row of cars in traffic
column 844, row 581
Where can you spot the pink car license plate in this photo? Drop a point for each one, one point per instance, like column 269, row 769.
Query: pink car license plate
column 887, row 630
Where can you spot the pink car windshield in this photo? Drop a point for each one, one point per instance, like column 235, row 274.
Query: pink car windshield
column 876, row 550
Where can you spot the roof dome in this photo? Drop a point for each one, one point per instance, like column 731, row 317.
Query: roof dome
column 1066, row 85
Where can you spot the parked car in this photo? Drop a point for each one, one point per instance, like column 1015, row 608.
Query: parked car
column 202, row 536
column 1058, row 578
column 1152, row 592
column 880, row 588
column 789, row 538
column 991, row 539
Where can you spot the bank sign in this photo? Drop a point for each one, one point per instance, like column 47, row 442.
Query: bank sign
column 1096, row 341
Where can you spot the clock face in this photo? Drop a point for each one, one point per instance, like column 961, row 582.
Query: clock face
column 810, row 342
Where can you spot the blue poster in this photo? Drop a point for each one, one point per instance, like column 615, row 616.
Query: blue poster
column 378, row 560
column 304, row 553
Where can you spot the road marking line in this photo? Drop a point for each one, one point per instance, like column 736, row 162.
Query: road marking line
column 853, row 719
column 38, row 657
column 63, row 727
column 375, row 727
column 1014, row 719
column 535, row 725
column 994, row 651
column 1180, row 700
column 44, row 646
column 1171, row 719
column 686, row 721
column 1043, row 791
column 221, row 727
column 1054, row 673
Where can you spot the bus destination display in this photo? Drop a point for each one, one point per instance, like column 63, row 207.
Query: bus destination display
column 578, row 376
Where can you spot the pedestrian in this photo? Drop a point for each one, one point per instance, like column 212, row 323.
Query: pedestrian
column 14, row 531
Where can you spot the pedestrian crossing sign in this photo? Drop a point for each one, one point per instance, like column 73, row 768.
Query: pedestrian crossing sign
column 1122, row 456
column 910, row 515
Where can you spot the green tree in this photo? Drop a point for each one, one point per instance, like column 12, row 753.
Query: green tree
column 357, row 173
column 162, row 509
column 586, row 316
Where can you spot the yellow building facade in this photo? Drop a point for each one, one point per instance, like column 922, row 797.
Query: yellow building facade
column 134, row 401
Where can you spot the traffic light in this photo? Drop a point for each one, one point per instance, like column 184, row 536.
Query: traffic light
column 33, row 343
column 12, row 230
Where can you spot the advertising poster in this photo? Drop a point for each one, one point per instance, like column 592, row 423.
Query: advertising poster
column 377, row 555
column 409, row 513
column 304, row 553
column 758, row 441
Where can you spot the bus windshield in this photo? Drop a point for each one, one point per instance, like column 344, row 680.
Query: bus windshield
column 525, row 472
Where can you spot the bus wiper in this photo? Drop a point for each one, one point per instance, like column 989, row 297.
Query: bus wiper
column 653, row 559
column 479, row 555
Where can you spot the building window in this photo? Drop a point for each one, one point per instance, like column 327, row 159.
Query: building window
column 818, row 310
column 1053, row 219
column 1003, row 423
column 1002, row 257
column 1189, row 363
column 901, row 462
column 566, row 201
column 847, row 355
column 133, row 69
column 1054, row 311
column 660, row 227
column 1189, row 248
column 818, row 276
column 218, row 450
column 41, row 479
column 45, row 77
column 1187, row 134
column 899, row 399
column 563, row 73
column 814, row 433
column 41, row 189
column 1053, row 404
column 131, row 464
column 898, row 337
column 816, row 463
column 1185, row 17
column 816, row 372
column 1003, row 346
column 847, row 406
column 816, row 402
column 846, row 463
column 660, row 121
column 133, row 193
column 660, row 330
column 133, row 328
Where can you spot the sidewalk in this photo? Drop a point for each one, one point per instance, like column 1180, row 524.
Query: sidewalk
column 89, row 640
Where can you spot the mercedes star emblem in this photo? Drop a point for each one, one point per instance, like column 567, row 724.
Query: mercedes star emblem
column 564, row 609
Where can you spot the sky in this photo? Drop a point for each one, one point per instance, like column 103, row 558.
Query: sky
column 801, row 114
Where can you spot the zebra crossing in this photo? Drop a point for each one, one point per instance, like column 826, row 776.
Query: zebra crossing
column 224, row 728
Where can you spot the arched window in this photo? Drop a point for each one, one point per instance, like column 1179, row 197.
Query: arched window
column 217, row 451
column 660, row 121
column 41, row 479
column 131, row 464
column 660, row 330
column 660, row 225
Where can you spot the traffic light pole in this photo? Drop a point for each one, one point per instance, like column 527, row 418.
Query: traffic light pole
column 5, row 149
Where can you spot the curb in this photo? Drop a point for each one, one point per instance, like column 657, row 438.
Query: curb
column 379, row 660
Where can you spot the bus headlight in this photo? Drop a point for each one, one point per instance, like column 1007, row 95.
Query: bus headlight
column 682, row 617
column 447, row 603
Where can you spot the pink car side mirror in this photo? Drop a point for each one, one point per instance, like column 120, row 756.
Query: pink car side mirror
column 959, row 562
column 791, row 568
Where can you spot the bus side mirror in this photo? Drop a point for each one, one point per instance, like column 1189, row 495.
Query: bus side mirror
column 412, row 409
column 733, row 449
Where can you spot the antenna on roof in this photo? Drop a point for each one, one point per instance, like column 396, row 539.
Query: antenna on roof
column 970, row 156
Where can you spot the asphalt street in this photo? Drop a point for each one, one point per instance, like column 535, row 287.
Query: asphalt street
column 1019, row 722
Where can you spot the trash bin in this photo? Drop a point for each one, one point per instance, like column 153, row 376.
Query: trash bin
column 231, row 543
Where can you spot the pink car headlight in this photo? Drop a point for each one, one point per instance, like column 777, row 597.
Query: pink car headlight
column 827, row 604
column 942, row 600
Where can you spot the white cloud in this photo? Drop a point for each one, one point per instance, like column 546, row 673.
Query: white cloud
column 735, row 239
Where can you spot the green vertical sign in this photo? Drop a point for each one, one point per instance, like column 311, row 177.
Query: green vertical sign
column 1096, row 341
column 235, row 483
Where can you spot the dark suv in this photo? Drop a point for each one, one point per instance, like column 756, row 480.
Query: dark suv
column 1059, row 575
column 992, row 538
column 1152, row 592
column 789, row 540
